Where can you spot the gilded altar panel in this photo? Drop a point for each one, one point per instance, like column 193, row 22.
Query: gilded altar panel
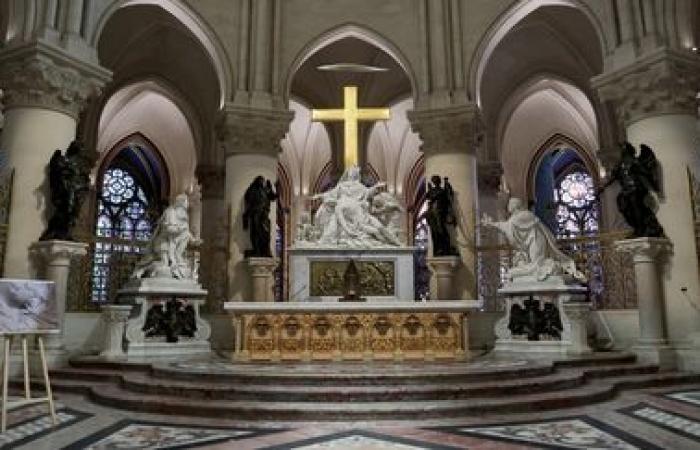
column 351, row 336
column 376, row 278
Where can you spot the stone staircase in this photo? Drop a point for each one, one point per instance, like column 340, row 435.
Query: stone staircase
column 359, row 391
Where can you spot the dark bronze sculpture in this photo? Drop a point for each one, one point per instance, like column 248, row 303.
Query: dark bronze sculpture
column 69, row 181
column 256, row 216
column 172, row 320
column 440, row 215
column 533, row 321
column 638, row 176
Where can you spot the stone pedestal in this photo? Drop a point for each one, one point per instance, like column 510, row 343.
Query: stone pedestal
column 578, row 314
column 53, row 259
column 114, row 318
column 443, row 268
column 648, row 255
column 262, row 275
column 569, row 299
column 146, row 293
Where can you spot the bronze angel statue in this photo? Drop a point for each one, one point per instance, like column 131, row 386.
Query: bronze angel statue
column 256, row 216
column 69, row 182
column 638, row 177
column 440, row 215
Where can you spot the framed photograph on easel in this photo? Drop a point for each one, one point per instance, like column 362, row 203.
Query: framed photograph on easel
column 28, row 310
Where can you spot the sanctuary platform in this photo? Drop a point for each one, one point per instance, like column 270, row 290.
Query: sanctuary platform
column 394, row 330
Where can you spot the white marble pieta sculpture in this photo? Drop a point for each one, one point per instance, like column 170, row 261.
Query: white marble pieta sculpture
column 536, row 257
column 352, row 215
column 165, row 256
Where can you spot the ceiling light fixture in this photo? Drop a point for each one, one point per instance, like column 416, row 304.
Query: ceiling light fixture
column 350, row 67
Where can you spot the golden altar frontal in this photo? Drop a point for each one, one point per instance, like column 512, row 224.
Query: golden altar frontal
column 351, row 331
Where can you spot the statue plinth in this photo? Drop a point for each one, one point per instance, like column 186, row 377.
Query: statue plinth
column 147, row 293
column 569, row 301
column 648, row 256
column 443, row 268
column 114, row 318
column 262, row 271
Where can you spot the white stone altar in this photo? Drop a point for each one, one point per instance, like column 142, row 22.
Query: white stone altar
column 316, row 273
column 356, row 223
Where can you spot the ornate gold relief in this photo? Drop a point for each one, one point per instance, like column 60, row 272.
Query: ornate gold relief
column 376, row 278
column 351, row 336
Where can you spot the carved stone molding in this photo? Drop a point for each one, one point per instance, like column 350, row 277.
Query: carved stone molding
column 645, row 249
column 448, row 129
column 212, row 179
column 665, row 82
column 39, row 75
column 489, row 175
column 252, row 130
column 57, row 253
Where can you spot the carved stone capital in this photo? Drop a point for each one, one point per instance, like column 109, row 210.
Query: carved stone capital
column 252, row 130
column 645, row 250
column 39, row 75
column 116, row 313
column 448, row 130
column 58, row 253
column 212, row 179
column 664, row 82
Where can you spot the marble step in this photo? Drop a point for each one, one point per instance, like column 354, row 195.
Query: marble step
column 115, row 396
column 568, row 378
column 372, row 374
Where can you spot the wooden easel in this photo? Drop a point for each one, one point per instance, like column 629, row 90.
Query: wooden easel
column 27, row 400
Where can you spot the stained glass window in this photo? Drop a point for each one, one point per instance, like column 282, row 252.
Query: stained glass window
column 421, row 240
column 576, row 205
column 123, row 225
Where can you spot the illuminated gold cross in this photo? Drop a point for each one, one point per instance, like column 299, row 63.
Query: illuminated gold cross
column 350, row 115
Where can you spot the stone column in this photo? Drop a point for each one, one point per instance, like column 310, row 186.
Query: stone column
column 214, row 233
column 44, row 90
column 648, row 255
column 54, row 259
column 448, row 136
column 114, row 318
column 251, row 138
column 656, row 99
column 492, row 201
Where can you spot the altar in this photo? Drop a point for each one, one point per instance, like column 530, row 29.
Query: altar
column 395, row 330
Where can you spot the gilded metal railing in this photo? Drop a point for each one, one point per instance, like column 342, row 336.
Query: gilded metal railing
column 610, row 274
column 119, row 267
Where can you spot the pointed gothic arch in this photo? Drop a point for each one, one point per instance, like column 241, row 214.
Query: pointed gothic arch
column 349, row 30
column 194, row 24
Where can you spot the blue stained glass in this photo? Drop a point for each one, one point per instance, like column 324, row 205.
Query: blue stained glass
column 122, row 213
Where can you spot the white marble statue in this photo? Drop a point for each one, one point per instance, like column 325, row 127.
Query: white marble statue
column 353, row 215
column 536, row 257
column 165, row 255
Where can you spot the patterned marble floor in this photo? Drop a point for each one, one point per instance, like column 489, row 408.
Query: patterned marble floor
column 644, row 419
